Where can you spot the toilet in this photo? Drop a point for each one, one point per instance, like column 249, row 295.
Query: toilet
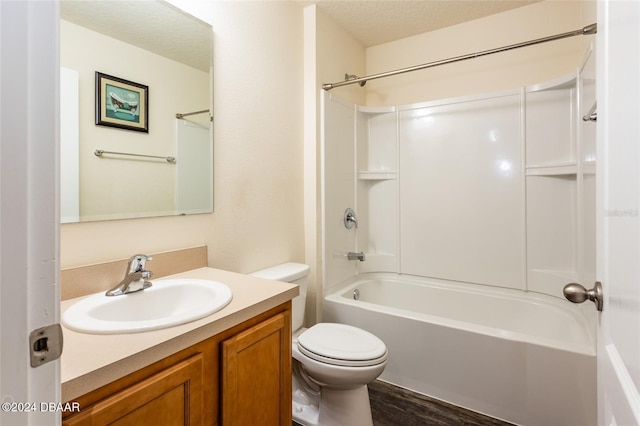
column 332, row 363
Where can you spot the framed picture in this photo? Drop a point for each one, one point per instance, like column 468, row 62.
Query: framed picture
column 121, row 103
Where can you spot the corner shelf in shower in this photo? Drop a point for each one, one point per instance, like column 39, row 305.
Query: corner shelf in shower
column 550, row 130
column 376, row 175
column 556, row 169
column 561, row 169
column 567, row 81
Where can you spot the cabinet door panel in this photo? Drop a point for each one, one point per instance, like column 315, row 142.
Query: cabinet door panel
column 170, row 397
column 256, row 382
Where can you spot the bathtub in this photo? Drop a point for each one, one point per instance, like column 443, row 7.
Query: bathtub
column 521, row 357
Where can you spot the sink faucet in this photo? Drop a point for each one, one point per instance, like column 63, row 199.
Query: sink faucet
column 135, row 279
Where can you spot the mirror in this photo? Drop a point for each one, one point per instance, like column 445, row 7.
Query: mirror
column 128, row 70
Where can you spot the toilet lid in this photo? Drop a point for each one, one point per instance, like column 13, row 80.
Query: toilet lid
column 341, row 344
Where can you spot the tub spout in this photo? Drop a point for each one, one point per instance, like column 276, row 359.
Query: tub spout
column 356, row 256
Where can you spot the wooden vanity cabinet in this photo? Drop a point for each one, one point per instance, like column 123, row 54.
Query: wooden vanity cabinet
column 256, row 374
column 241, row 376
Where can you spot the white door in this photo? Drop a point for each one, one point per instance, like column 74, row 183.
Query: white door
column 29, row 294
column 618, row 240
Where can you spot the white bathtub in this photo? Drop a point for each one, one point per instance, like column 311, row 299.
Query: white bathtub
column 525, row 358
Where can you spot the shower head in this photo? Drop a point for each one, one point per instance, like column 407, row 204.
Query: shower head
column 349, row 77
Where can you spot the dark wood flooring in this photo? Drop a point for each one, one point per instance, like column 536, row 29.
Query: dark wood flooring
column 393, row 406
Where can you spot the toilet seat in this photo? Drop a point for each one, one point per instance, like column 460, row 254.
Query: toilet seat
column 342, row 345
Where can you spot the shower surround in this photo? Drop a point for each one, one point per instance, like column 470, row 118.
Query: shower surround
column 493, row 191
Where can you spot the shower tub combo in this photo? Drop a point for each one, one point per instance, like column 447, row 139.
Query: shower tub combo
column 522, row 357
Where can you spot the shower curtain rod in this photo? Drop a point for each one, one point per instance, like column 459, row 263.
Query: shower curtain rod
column 186, row 114
column 589, row 29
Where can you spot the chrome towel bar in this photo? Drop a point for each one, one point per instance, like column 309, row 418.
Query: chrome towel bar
column 181, row 116
column 99, row 152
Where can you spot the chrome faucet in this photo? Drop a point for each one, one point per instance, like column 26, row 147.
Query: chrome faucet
column 350, row 219
column 135, row 279
column 356, row 256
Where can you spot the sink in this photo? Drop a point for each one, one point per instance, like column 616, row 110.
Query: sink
column 167, row 303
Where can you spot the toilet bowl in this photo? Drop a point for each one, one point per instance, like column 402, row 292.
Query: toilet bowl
column 332, row 363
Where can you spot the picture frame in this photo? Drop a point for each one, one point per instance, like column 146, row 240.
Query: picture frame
column 121, row 103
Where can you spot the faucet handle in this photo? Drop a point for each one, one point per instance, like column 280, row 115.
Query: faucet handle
column 350, row 219
column 137, row 262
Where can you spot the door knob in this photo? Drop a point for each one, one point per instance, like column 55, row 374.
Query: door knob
column 577, row 294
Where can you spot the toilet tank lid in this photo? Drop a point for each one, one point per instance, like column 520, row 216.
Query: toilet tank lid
column 286, row 272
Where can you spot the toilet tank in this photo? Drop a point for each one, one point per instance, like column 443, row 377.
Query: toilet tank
column 294, row 273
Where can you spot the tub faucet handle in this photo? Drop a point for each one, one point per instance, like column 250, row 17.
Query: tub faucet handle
column 350, row 219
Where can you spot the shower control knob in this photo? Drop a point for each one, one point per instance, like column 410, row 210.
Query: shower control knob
column 576, row 293
column 350, row 219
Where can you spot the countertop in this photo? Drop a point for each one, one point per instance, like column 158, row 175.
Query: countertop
column 90, row 361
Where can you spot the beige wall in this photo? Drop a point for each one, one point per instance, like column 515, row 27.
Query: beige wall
column 107, row 188
column 270, row 59
column 338, row 53
column 258, row 152
column 534, row 64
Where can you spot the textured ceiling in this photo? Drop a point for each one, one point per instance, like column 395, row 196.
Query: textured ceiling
column 167, row 31
column 154, row 26
column 375, row 22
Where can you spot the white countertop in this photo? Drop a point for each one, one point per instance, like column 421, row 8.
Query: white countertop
column 90, row 361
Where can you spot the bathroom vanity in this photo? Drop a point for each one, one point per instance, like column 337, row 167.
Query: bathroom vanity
column 231, row 367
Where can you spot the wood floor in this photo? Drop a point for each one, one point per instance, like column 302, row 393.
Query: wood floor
column 393, row 406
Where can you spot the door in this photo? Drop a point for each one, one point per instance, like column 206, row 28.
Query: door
column 256, row 367
column 618, row 230
column 29, row 294
column 173, row 396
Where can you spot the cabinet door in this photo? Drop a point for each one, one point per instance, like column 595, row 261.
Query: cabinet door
column 170, row 397
column 256, row 374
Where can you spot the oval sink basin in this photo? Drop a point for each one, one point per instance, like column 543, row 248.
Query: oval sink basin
column 167, row 303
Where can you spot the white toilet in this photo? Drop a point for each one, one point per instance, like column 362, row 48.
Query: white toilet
column 332, row 363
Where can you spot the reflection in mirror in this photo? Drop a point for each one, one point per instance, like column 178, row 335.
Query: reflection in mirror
column 152, row 44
